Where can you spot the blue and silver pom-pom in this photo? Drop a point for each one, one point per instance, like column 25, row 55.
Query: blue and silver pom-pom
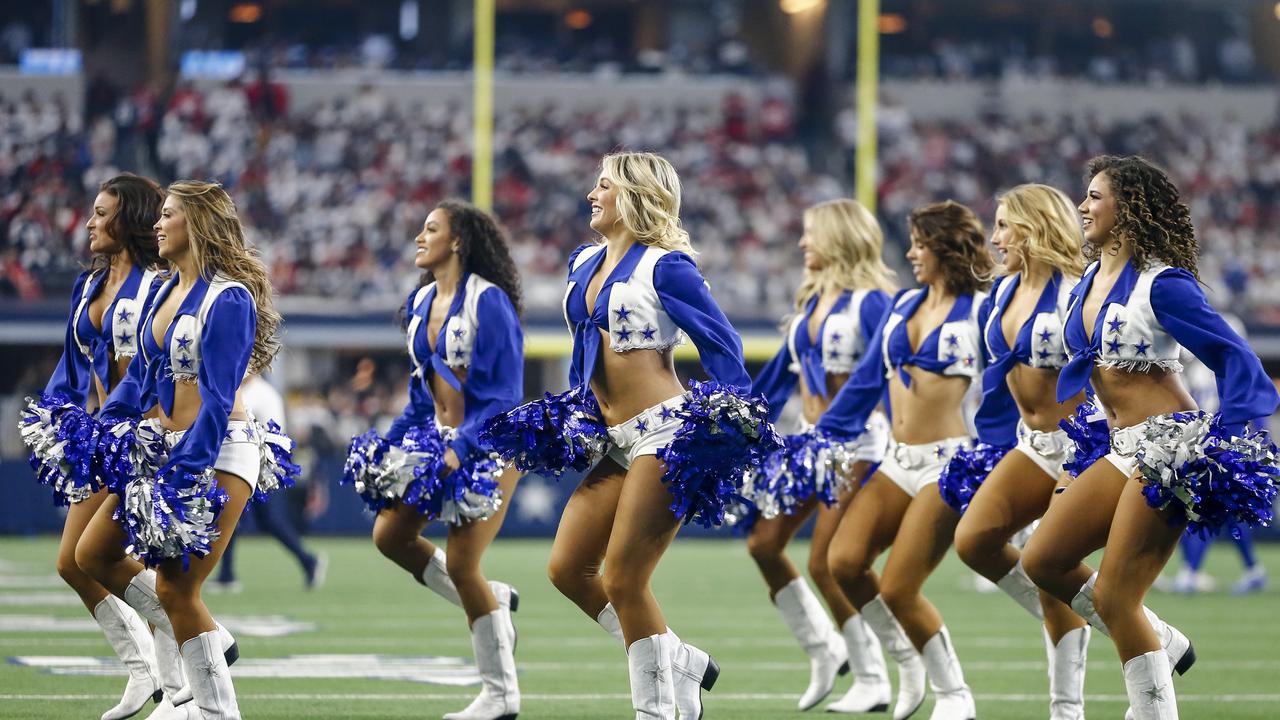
column 278, row 469
column 805, row 466
column 62, row 438
column 549, row 436
column 1200, row 473
column 172, row 516
column 469, row 493
column 965, row 472
column 726, row 434
column 384, row 474
column 1090, row 438
column 740, row 515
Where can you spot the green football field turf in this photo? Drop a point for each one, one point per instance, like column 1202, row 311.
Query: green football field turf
column 570, row 669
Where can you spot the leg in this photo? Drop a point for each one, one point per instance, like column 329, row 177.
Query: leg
column 1015, row 493
column 1076, row 524
column 79, row 515
column 824, row 529
column 866, row 530
column 397, row 533
column 226, row 566
column 100, row 551
column 467, row 544
column 578, row 552
column 767, row 544
column 643, row 528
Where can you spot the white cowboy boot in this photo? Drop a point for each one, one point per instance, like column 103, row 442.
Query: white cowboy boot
column 210, row 679
column 1066, row 674
column 871, row 691
column 492, row 637
column 1149, row 683
column 952, row 699
column 911, row 670
column 1182, row 655
column 1018, row 586
column 809, row 624
column 692, row 671
column 649, row 665
column 131, row 640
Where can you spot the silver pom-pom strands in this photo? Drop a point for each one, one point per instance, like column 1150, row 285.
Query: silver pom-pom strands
column 171, row 518
column 62, row 438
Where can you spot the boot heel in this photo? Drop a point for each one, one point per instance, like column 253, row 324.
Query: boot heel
column 711, row 675
column 515, row 602
column 157, row 696
column 232, row 654
column 844, row 669
column 1186, row 661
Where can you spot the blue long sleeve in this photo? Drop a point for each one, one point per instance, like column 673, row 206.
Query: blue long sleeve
column 1245, row 390
column 72, row 377
column 225, row 346
column 847, row 415
column 776, row 382
column 133, row 395
column 875, row 306
column 687, row 299
column 495, row 379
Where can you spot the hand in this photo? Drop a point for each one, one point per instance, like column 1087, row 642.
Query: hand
column 451, row 461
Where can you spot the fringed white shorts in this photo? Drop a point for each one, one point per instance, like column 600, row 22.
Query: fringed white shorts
column 1048, row 450
column 915, row 467
column 645, row 434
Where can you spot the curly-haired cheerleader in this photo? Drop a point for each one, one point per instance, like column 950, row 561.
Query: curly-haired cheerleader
column 673, row 455
column 927, row 352
column 838, row 307
column 1167, row 465
column 466, row 352
column 107, row 305
column 1037, row 231
column 185, row 475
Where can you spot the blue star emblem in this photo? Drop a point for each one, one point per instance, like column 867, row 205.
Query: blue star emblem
column 953, row 340
column 968, row 361
column 248, row 431
column 642, row 426
column 836, row 337
column 125, row 338
column 1115, row 324
column 1044, row 354
column 227, row 434
column 648, row 332
column 459, row 332
column 1114, row 346
column 624, row 335
column 458, row 353
column 623, row 313
column 1142, row 347
column 184, row 342
column 185, row 363
column 951, row 357
column 666, row 413
column 1045, row 336
column 124, row 315
column 834, row 354
column 940, row 451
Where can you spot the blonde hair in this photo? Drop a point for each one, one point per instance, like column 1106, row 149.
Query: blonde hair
column 846, row 235
column 218, row 247
column 1048, row 224
column 648, row 199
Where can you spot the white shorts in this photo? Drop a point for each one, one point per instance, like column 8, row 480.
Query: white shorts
column 240, row 454
column 872, row 444
column 915, row 467
column 646, row 433
column 1048, row 450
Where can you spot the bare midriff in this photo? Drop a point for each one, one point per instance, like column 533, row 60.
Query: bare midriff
column 630, row 382
column 1035, row 390
column 929, row 410
column 812, row 404
column 1131, row 397
column 449, row 402
column 187, row 404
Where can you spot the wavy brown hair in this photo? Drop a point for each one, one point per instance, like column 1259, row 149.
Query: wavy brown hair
column 218, row 248
column 482, row 248
column 953, row 233
column 133, row 224
column 1149, row 213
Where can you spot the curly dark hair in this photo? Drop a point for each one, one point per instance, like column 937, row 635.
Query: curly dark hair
column 953, row 233
column 1149, row 212
column 139, row 199
column 482, row 248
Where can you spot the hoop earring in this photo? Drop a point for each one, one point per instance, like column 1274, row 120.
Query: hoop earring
column 1114, row 249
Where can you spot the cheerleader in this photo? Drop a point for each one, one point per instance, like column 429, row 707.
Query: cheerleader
column 1037, row 233
column 1166, row 464
column 838, row 308
column 466, row 353
column 672, row 455
column 185, row 474
column 927, row 354
column 107, row 304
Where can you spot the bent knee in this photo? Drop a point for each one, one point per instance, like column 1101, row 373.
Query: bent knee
column 173, row 596
column 765, row 546
column 818, row 568
column 461, row 568
column 567, row 576
column 389, row 540
column 69, row 569
column 622, row 587
column 848, row 565
column 975, row 544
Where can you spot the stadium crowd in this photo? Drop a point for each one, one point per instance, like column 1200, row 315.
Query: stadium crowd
column 333, row 193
